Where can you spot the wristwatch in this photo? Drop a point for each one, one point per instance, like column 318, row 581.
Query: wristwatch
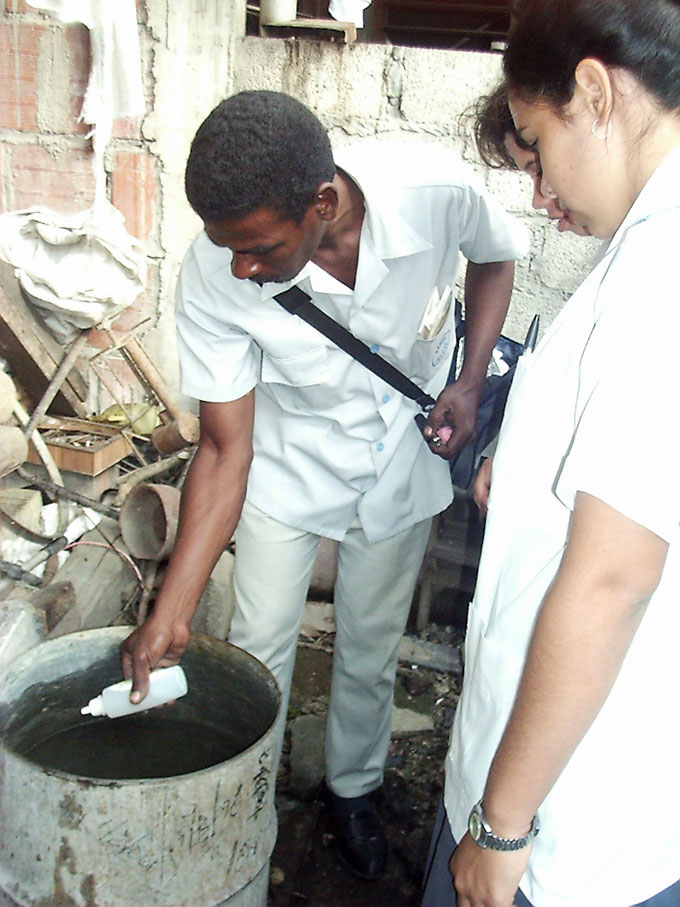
column 481, row 834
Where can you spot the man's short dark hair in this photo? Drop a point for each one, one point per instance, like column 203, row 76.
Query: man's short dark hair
column 257, row 149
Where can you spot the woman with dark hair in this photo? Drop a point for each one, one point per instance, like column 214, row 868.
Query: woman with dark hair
column 500, row 147
column 562, row 780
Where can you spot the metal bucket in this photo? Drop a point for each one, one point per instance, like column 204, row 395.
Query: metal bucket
column 197, row 836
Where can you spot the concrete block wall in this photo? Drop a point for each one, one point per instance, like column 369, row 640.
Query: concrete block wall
column 193, row 54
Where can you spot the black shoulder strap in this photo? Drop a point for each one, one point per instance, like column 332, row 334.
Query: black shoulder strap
column 297, row 302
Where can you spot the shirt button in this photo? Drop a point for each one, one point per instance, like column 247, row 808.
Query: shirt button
column 386, row 398
column 374, row 347
column 380, row 446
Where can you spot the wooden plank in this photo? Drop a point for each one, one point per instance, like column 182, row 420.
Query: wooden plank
column 102, row 581
column 66, row 423
column 32, row 352
column 320, row 27
column 55, row 601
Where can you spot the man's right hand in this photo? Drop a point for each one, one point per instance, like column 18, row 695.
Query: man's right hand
column 212, row 498
column 153, row 645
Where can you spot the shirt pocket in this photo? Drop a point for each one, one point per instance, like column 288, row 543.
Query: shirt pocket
column 428, row 355
column 303, row 370
column 300, row 383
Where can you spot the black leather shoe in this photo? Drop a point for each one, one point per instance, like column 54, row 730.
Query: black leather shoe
column 361, row 837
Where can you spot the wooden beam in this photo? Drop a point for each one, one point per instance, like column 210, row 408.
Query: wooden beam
column 32, row 353
column 320, row 27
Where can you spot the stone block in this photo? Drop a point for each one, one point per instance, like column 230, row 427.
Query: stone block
column 134, row 190
column 19, row 53
column 565, row 259
column 21, row 628
column 307, row 763
column 216, row 607
column 318, row 617
column 24, row 506
column 63, row 180
column 439, row 85
column 329, row 78
column 408, row 721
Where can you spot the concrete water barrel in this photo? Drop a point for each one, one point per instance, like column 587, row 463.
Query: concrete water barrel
column 180, row 832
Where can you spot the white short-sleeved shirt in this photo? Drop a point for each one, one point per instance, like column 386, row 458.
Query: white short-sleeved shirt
column 331, row 440
column 593, row 409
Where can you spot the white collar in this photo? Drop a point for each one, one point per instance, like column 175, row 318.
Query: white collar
column 660, row 193
column 390, row 236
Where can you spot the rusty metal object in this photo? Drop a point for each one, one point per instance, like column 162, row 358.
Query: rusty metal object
column 181, row 432
column 148, row 520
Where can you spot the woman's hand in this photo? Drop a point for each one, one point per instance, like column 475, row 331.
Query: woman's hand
column 484, row 877
column 482, row 486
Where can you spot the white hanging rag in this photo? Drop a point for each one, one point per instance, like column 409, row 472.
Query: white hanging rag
column 348, row 11
column 80, row 270
column 115, row 85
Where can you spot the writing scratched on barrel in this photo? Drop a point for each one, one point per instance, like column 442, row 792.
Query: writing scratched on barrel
column 184, row 828
column 261, row 784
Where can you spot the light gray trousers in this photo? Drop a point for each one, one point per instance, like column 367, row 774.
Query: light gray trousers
column 373, row 594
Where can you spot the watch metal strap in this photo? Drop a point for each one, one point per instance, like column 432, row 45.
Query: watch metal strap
column 483, row 836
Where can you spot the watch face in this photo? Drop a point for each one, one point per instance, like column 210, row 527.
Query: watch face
column 475, row 826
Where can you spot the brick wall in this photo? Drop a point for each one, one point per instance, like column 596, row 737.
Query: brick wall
column 45, row 155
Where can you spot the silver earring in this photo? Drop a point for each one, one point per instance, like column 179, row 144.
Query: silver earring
column 597, row 135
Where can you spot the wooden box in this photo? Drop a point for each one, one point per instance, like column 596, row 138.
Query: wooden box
column 89, row 450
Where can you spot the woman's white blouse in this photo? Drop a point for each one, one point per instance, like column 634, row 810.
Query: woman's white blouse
column 595, row 408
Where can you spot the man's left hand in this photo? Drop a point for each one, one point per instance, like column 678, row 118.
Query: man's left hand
column 486, row 878
column 452, row 422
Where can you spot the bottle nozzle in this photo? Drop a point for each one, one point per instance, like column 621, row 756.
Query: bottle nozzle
column 94, row 707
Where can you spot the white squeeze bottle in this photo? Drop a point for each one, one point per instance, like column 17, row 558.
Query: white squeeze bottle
column 114, row 701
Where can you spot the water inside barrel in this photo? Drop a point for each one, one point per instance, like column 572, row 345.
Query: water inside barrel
column 141, row 746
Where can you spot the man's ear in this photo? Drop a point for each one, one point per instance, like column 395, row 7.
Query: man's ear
column 594, row 85
column 326, row 201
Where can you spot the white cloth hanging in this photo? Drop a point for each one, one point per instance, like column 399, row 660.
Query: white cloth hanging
column 115, row 85
column 348, row 11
